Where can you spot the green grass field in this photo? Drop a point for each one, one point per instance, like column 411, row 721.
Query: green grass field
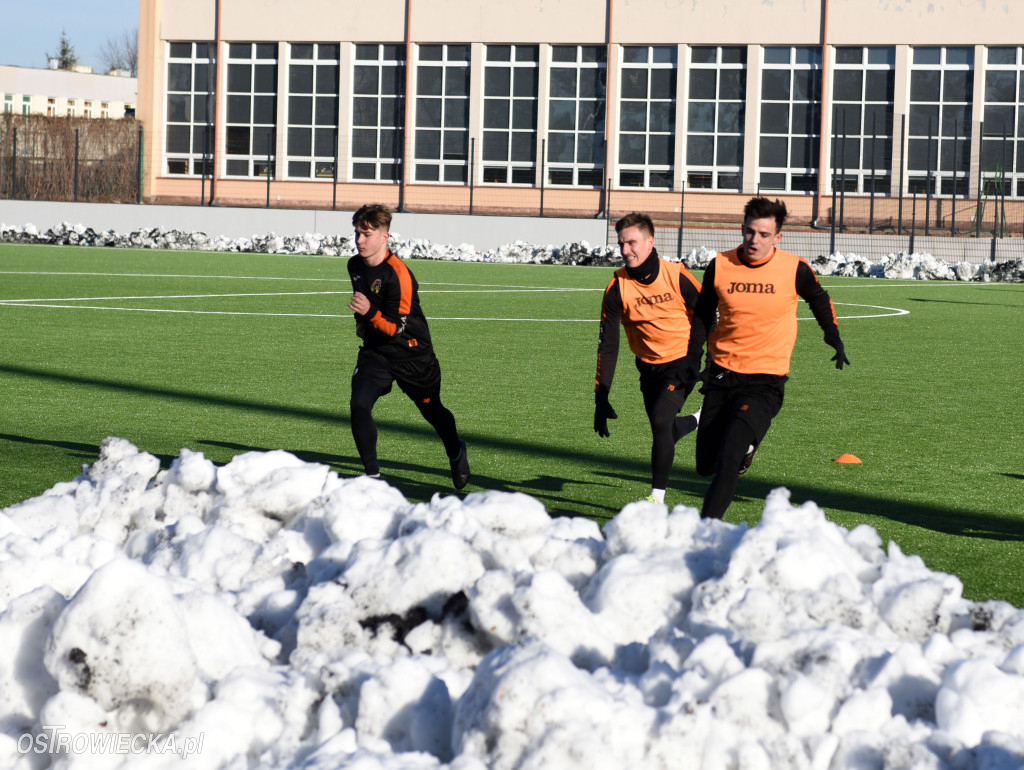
column 225, row 353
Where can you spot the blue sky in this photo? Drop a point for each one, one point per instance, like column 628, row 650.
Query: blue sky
column 32, row 29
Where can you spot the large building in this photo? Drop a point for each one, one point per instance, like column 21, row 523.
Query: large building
column 571, row 106
column 65, row 93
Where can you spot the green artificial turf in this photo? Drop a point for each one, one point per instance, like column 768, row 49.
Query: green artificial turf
column 258, row 353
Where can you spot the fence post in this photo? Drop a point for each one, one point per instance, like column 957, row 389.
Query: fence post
column 472, row 158
column 268, row 170
column 903, row 165
column 1002, row 188
column 956, row 168
column 913, row 222
column 543, row 153
column 928, row 187
column 832, row 223
column 842, row 184
column 138, row 186
column 76, row 165
column 682, row 210
column 607, row 202
column 871, row 214
column 14, row 166
column 334, row 173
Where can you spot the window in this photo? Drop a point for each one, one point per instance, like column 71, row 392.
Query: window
column 939, row 120
column 647, row 116
column 1002, row 137
column 190, row 103
column 71, row 108
column 715, row 115
column 26, row 105
column 510, row 115
column 51, row 107
column 104, row 109
column 862, row 127
column 378, row 112
column 87, row 109
column 790, row 125
column 251, row 137
column 576, row 115
column 312, row 110
column 442, row 114
column 8, row 103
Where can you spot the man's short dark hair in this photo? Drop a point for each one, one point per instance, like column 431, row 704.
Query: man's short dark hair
column 374, row 215
column 762, row 208
column 636, row 219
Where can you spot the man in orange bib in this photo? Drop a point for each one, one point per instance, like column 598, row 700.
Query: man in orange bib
column 654, row 300
column 755, row 289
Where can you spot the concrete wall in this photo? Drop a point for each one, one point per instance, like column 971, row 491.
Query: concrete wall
column 481, row 232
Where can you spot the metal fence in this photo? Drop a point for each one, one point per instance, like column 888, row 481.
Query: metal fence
column 70, row 159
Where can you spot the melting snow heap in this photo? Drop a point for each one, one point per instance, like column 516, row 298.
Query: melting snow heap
column 901, row 265
column 276, row 615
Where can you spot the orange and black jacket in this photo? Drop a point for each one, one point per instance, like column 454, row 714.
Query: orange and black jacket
column 757, row 310
column 395, row 325
column 658, row 316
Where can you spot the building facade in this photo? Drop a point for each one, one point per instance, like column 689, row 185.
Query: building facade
column 577, row 106
column 64, row 93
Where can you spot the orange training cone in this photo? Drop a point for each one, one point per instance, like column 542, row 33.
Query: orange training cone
column 848, row 458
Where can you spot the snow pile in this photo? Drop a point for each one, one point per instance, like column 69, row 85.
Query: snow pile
column 899, row 265
column 271, row 614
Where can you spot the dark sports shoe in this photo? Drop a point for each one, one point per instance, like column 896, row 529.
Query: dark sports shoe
column 460, row 467
column 748, row 458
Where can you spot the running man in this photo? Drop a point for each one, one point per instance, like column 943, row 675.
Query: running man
column 396, row 344
column 755, row 289
column 654, row 300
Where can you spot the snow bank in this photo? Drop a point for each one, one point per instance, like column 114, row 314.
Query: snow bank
column 268, row 613
column 899, row 265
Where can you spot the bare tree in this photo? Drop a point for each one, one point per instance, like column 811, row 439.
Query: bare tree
column 121, row 52
column 65, row 56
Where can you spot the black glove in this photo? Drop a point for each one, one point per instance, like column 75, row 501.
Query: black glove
column 603, row 412
column 840, row 356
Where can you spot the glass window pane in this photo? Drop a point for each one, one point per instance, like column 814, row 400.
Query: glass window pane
column 300, row 141
column 562, row 115
column 456, row 113
column 499, row 53
column 239, row 77
column 366, row 52
column 663, row 84
column 662, row 116
column 927, row 55
column 428, row 113
column 700, row 150
column 775, row 84
column 497, row 81
column 702, row 84
column 924, row 120
column 300, row 78
column 323, row 142
column 847, row 120
column 924, row 85
column 238, row 109
column 456, row 145
column 774, row 152
column 264, row 109
column 390, row 143
column 806, row 85
column 776, row 55
column 456, row 81
column 524, row 114
column 730, row 118
column 632, row 149
column 561, row 148
column 496, row 113
column 238, row 140
column 701, row 117
column 364, row 111
column 364, row 80
column 634, row 54
column 1002, row 55
column 527, row 53
column 882, row 55
column 524, row 82
column 633, row 116
column 959, row 56
column 848, row 55
column 956, row 118
column 326, row 111
column 774, row 118
column 804, row 151
column 660, row 149
column 879, row 86
column 428, row 145
column 429, row 80
column 364, row 143
column 563, row 82
column 847, row 85
column 326, row 80
column 431, row 53
column 495, row 146
column 634, row 84
column 730, row 151
column 591, row 83
column 702, row 54
column 181, row 50
column 302, row 50
column 998, row 119
column 240, row 50
column 524, row 147
column 178, row 108
column 1000, row 86
column 732, row 84
column 177, row 138
column 179, row 77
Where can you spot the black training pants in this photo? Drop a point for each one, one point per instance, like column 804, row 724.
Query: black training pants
column 737, row 412
column 664, row 395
